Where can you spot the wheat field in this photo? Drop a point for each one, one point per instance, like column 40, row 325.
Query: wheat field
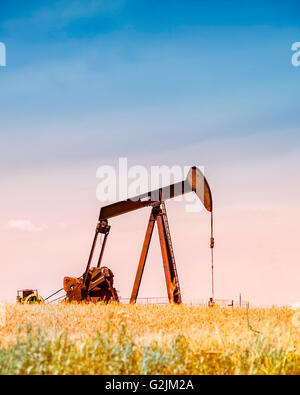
column 148, row 339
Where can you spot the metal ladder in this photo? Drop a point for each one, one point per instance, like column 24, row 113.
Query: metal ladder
column 167, row 229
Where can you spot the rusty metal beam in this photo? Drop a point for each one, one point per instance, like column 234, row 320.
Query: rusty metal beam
column 165, row 256
column 91, row 253
column 195, row 182
column 103, row 248
column 143, row 257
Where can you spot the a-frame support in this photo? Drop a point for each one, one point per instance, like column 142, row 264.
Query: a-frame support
column 159, row 215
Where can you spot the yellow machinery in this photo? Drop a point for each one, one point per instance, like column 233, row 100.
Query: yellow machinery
column 29, row 296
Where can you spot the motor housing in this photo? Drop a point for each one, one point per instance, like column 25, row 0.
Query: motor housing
column 98, row 287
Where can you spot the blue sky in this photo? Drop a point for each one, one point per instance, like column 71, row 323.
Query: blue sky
column 85, row 73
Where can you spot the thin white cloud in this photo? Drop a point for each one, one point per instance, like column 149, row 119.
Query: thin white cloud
column 25, row 226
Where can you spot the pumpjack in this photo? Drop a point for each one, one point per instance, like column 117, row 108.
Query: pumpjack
column 96, row 284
